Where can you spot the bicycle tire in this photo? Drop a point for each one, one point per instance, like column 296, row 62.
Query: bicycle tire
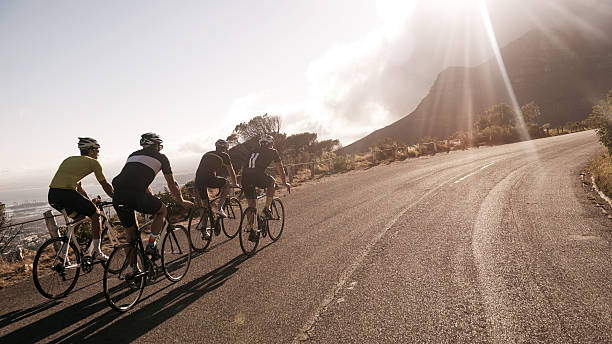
column 123, row 289
column 176, row 253
column 233, row 209
column 277, row 223
column 56, row 272
column 248, row 247
column 197, row 224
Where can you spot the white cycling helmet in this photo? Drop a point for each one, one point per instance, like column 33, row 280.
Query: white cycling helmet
column 87, row 143
column 266, row 139
column 150, row 139
column 222, row 144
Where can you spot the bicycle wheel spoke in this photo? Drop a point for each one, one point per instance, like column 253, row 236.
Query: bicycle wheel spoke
column 176, row 253
column 199, row 236
column 123, row 278
column 277, row 223
column 249, row 246
column 55, row 273
column 231, row 224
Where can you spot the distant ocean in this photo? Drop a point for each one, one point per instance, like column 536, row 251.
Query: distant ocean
column 39, row 194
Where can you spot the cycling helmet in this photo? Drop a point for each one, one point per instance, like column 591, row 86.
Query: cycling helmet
column 87, row 143
column 150, row 139
column 222, row 144
column 266, row 140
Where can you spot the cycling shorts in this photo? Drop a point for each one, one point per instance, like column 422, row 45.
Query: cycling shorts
column 252, row 180
column 211, row 181
column 71, row 201
column 126, row 202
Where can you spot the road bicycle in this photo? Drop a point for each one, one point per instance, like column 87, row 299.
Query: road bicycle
column 266, row 226
column 59, row 261
column 129, row 268
column 203, row 223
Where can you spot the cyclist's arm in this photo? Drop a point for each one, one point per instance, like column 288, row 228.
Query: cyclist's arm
column 281, row 171
column 176, row 192
column 107, row 188
column 81, row 190
column 232, row 173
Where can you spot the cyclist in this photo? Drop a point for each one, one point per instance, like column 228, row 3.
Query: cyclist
column 66, row 191
column 254, row 174
column 132, row 190
column 209, row 170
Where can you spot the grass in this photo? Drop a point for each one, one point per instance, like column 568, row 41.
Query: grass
column 601, row 169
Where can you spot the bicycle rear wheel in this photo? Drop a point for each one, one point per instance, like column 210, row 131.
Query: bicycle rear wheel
column 200, row 235
column 55, row 274
column 276, row 224
column 231, row 224
column 176, row 253
column 107, row 245
column 124, row 277
column 248, row 247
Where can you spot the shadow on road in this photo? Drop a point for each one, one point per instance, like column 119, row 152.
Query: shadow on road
column 111, row 326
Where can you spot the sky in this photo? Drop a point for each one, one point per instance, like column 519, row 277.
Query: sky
column 192, row 70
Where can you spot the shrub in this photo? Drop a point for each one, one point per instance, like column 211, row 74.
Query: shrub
column 601, row 168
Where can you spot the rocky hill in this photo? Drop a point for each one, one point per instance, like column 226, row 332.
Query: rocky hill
column 564, row 71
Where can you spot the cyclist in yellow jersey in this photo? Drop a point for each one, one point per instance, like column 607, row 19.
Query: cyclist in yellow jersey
column 66, row 191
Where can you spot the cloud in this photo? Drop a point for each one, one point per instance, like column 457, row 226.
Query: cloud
column 358, row 87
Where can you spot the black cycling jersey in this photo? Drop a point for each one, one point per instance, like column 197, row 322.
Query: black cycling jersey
column 213, row 162
column 260, row 159
column 141, row 168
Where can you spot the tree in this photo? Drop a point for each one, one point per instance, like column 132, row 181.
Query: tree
column 8, row 232
column 531, row 112
column 601, row 117
column 255, row 127
column 500, row 114
column 301, row 142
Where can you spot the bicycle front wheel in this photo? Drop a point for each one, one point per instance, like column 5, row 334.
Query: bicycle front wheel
column 124, row 277
column 176, row 253
column 249, row 246
column 56, row 268
column 200, row 235
column 231, row 224
column 276, row 223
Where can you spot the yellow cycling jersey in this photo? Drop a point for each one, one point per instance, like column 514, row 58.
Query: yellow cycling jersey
column 75, row 168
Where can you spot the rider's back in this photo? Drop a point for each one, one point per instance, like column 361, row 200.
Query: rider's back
column 73, row 169
column 141, row 168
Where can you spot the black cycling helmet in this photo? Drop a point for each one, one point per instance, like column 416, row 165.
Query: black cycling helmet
column 266, row 140
column 86, row 143
column 150, row 139
column 221, row 144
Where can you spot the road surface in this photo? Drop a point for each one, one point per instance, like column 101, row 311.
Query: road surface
column 492, row 245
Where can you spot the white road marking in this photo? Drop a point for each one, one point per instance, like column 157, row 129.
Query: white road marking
column 473, row 173
column 303, row 334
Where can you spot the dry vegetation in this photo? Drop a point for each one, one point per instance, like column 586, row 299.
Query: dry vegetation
column 601, row 168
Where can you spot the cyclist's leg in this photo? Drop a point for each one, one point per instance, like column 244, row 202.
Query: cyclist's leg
column 248, row 186
column 128, row 220
column 268, row 183
column 152, row 205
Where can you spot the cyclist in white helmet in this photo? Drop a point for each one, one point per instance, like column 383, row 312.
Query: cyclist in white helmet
column 67, row 193
column 209, row 174
column 132, row 191
column 254, row 174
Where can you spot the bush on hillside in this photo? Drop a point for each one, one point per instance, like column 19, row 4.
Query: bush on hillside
column 601, row 168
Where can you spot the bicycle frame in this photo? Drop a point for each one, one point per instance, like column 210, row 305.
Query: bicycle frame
column 70, row 227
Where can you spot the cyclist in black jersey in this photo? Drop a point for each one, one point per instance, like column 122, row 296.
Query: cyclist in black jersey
column 213, row 164
column 132, row 190
column 254, row 174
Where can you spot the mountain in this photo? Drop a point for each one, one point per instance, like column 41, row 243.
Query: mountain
column 565, row 71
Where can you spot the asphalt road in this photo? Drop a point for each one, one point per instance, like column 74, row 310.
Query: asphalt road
column 495, row 245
